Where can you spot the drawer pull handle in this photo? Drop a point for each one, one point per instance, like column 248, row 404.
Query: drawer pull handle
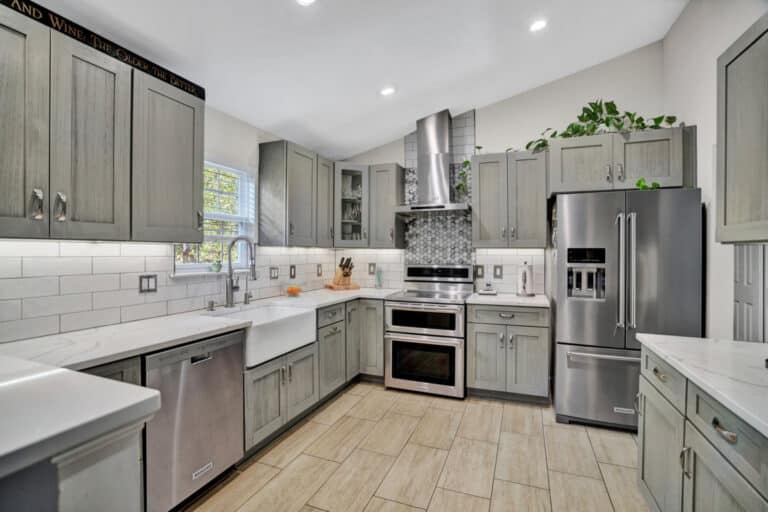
column 725, row 434
column 637, row 404
column 501, row 340
column 684, row 461
column 506, row 315
column 661, row 376
column 331, row 314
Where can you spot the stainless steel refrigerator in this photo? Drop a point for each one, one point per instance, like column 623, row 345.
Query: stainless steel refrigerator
column 626, row 262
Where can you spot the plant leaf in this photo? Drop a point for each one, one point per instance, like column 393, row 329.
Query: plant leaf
column 610, row 108
column 670, row 120
column 655, row 184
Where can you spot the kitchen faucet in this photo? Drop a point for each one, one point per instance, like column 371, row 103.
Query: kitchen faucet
column 230, row 291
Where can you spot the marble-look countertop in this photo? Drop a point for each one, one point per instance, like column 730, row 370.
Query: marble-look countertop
column 323, row 298
column 48, row 410
column 733, row 372
column 509, row 299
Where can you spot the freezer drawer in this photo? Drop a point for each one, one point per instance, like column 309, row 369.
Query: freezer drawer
column 198, row 432
column 596, row 385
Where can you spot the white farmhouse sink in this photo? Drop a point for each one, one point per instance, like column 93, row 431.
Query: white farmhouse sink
column 274, row 331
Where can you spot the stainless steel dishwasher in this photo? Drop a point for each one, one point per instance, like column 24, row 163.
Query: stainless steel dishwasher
column 198, row 432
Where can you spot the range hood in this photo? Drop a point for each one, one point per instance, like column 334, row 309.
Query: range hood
column 433, row 171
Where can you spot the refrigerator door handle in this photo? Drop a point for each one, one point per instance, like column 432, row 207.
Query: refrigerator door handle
column 620, row 220
column 632, row 221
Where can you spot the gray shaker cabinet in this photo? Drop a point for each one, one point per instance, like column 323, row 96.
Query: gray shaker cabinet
column 489, row 201
column 742, row 129
column 324, row 202
column 24, row 137
column 528, row 353
column 660, row 436
column 167, row 190
column 301, row 175
column 656, row 155
column 581, row 164
column 486, row 356
column 302, row 389
column 266, row 402
column 372, row 337
column 331, row 341
column 354, row 335
column 90, row 143
column 387, row 192
column 351, row 205
column 527, row 199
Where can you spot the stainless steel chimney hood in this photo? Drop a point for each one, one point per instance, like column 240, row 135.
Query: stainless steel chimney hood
column 433, row 171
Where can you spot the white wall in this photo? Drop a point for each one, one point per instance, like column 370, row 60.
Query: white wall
column 633, row 80
column 232, row 142
column 393, row 152
column 691, row 48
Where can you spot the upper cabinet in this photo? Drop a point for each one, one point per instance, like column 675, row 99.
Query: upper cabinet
column 288, row 189
column 351, row 205
column 24, row 106
column 614, row 161
column 742, row 129
column 90, row 168
column 387, row 193
column 167, row 202
column 509, row 200
column 324, row 202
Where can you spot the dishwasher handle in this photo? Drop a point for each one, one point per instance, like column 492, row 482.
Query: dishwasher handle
column 200, row 359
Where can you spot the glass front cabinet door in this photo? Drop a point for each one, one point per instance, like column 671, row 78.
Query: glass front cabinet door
column 351, row 199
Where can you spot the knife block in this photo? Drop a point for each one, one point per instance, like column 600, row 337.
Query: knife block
column 342, row 281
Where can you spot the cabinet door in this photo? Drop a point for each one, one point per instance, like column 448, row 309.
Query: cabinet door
column 127, row 370
column 324, row 203
column 265, row 401
column 489, row 201
column 303, row 380
column 660, row 442
column 748, row 292
column 742, row 129
column 350, row 211
column 386, row 193
column 711, row 484
column 301, row 175
column 528, row 350
column 354, row 332
column 527, row 193
column 581, row 163
column 486, row 357
column 656, row 155
column 372, row 337
column 90, row 143
column 24, row 106
column 333, row 357
column 167, row 190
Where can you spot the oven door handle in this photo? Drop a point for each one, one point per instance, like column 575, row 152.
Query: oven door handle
column 410, row 306
column 427, row 340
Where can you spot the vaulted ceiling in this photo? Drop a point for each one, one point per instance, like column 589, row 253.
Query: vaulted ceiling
column 313, row 74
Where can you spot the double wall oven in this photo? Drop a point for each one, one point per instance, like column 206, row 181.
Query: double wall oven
column 424, row 342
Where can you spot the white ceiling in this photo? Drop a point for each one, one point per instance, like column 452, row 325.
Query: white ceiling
column 312, row 74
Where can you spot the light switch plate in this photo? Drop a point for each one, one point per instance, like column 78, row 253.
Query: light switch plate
column 148, row 283
column 498, row 272
column 274, row 272
column 479, row 271
column 292, row 272
column 319, row 270
column 371, row 269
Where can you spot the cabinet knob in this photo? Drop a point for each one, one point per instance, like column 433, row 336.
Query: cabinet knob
column 511, row 233
column 37, row 204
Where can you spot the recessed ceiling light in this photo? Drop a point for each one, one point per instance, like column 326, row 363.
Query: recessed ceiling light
column 305, row 2
column 538, row 25
column 387, row 91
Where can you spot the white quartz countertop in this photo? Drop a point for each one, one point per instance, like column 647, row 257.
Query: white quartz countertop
column 733, row 372
column 48, row 410
column 323, row 298
column 509, row 299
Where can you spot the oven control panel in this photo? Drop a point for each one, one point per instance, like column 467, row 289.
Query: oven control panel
column 585, row 273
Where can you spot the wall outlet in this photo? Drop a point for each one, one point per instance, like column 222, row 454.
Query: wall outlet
column 479, row 271
column 274, row 272
column 371, row 269
column 498, row 272
column 148, row 283
column 292, row 272
column 319, row 270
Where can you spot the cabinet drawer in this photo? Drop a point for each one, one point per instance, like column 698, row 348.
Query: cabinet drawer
column 329, row 315
column 508, row 315
column 743, row 446
column 666, row 379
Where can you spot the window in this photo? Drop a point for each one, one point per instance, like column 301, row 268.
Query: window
column 229, row 202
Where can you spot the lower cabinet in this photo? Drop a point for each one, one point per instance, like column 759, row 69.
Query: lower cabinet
column 278, row 391
column 512, row 359
column 353, row 339
column 331, row 341
column 372, row 337
column 127, row 370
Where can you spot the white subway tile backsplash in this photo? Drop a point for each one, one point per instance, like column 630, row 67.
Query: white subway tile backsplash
column 89, row 249
column 165, row 293
column 184, row 305
column 159, row 264
column 119, row 264
column 208, row 288
column 57, row 304
column 10, row 267
column 30, row 328
column 10, row 310
column 131, row 279
column 34, row 266
column 104, row 300
column 142, row 311
column 28, row 287
column 89, row 283
column 29, row 248
column 89, row 319
column 148, row 249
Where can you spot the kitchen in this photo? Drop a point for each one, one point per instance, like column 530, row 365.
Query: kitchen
column 212, row 299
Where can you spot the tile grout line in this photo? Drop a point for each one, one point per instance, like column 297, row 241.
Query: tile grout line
column 546, row 459
column 602, row 478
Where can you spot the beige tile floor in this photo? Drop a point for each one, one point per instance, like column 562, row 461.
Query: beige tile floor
column 377, row 450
